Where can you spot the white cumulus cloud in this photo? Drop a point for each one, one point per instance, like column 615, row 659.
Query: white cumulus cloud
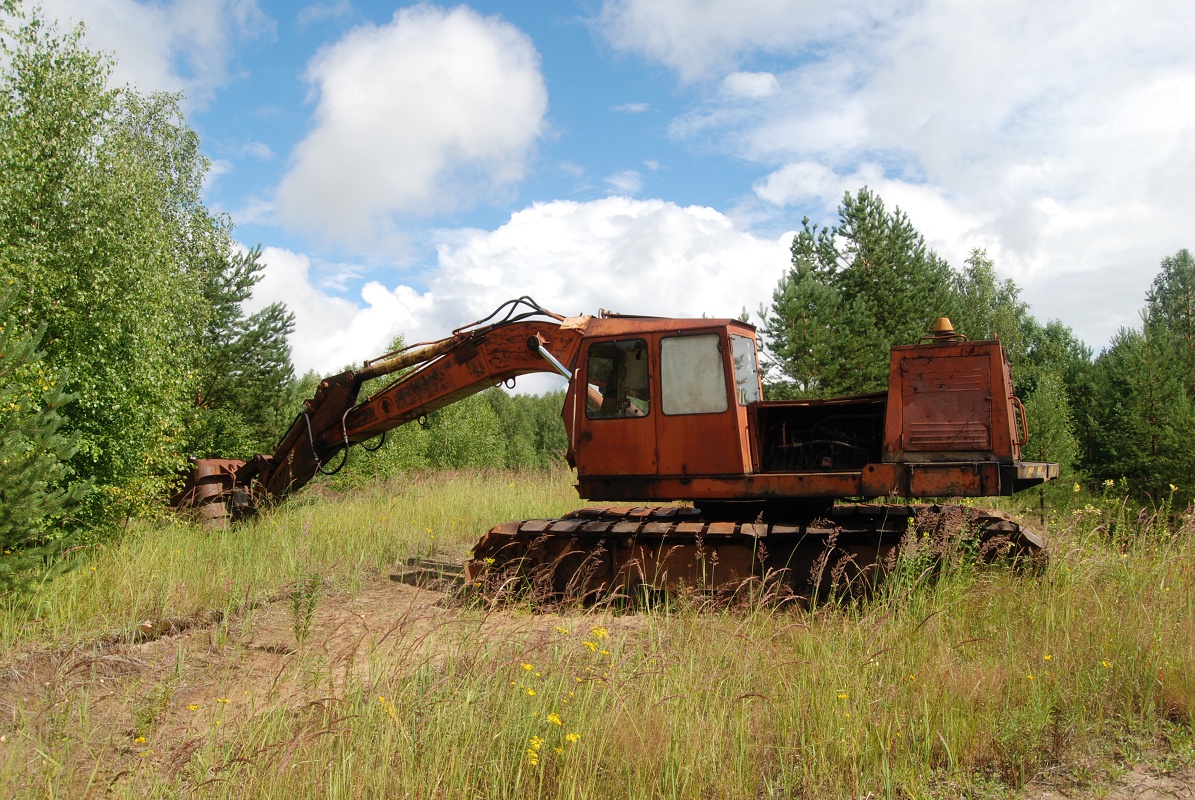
column 180, row 46
column 1059, row 136
column 632, row 256
column 331, row 332
column 628, row 182
column 750, row 85
column 425, row 113
column 699, row 38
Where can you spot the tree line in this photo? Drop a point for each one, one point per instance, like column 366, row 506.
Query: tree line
column 1124, row 417
column 124, row 346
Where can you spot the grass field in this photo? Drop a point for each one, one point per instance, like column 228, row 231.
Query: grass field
column 297, row 668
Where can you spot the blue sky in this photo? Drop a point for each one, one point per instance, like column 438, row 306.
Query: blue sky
column 408, row 167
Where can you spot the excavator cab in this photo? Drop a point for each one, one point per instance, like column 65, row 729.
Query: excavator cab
column 662, row 399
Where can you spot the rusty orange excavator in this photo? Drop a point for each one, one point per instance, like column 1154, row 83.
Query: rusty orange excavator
column 661, row 410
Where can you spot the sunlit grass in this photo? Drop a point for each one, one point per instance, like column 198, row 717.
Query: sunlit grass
column 971, row 684
column 176, row 568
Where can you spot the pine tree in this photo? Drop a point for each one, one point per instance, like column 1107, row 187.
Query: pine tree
column 1051, row 438
column 246, row 375
column 853, row 291
column 1142, row 410
column 1145, row 423
column 1171, row 301
column 36, row 501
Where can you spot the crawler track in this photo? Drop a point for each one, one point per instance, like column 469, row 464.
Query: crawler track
column 597, row 552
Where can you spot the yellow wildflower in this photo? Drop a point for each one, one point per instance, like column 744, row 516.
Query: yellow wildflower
column 592, row 646
column 599, row 632
column 1047, row 657
column 554, row 718
column 528, row 667
column 531, row 693
column 573, row 738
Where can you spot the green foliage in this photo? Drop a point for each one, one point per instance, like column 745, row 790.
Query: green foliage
column 987, row 307
column 870, row 282
column 304, row 596
column 853, row 291
column 108, row 245
column 244, row 400
column 1052, row 349
column 490, row 429
column 1142, row 411
column 532, row 428
column 104, row 235
column 465, row 434
column 1172, row 300
column 35, row 500
column 1144, row 425
column 1051, row 438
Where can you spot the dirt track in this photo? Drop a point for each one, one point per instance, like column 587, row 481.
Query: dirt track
column 239, row 667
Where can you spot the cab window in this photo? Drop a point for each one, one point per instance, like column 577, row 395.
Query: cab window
column 692, row 380
column 746, row 368
column 618, row 380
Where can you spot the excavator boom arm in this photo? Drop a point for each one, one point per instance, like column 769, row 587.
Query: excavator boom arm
column 335, row 418
column 464, row 364
column 475, row 364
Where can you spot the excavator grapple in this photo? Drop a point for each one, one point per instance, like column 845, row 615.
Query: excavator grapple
column 710, row 485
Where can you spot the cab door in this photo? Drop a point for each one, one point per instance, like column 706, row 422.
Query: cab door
column 701, row 426
column 615, row 409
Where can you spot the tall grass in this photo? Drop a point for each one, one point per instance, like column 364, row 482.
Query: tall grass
column 177, row 569
column 967, row 685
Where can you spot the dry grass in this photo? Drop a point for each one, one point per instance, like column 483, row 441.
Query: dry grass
column 971, row 685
